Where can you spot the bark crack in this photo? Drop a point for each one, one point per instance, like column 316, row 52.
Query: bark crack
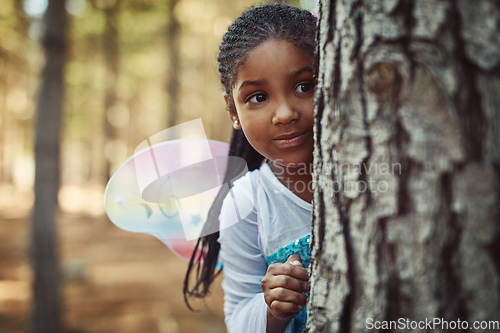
column 368, row 140
column 452, row 305
column 332, row 15
column 358, row 21
column 402, row 138
column 405, row 9
column 494, row 248
column 346, row 312
column 321, row 224
column 467, row 96
column 393, row 296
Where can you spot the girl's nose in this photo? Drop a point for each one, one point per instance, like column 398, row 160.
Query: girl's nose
column 285, row 113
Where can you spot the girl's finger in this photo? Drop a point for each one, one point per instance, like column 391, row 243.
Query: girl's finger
column 288, row 269
column 285, row 310
column 285, row 295
column 295, row 260
column 285, row 281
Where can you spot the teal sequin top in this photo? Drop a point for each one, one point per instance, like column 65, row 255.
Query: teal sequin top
column 300, row 247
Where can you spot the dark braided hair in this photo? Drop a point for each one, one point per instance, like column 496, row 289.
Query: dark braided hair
column 254, row 26
column 257, row 25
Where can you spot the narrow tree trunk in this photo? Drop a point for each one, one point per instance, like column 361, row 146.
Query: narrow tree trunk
column 407, row 161
column 46, row 306
column 173, row 34
column 111, row 58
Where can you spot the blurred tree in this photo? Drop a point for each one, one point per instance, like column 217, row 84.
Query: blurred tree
column 111, row 59
column 407, row 164
column 46, row 306
column 14, row 83
column 173, row 35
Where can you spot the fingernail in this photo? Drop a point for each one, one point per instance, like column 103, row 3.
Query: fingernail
column 296, row 263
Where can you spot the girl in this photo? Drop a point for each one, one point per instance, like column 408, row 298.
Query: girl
column 266, row 67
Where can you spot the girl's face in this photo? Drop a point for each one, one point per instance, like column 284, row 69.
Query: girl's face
column 273, row 96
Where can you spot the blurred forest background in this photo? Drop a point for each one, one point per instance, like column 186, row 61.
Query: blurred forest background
column 134, row 68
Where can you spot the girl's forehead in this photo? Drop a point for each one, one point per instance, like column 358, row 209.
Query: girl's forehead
column 272, row 59
column 274, row 45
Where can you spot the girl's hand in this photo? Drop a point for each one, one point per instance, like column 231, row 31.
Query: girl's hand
column 283, row 286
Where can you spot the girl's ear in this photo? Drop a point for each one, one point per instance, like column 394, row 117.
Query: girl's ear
column 232, row 111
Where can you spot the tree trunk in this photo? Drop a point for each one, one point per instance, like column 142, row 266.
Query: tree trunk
column 407, row 163
column 111, row 58
column 174, row 63
column 46, row 306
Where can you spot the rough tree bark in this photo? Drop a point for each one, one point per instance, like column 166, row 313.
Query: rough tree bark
column 407, row 162
column 46, row 304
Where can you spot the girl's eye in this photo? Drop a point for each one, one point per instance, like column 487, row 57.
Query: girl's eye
column 303, row 88
column 257, row 98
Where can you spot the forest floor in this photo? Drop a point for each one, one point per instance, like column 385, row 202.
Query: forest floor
column 114, row 281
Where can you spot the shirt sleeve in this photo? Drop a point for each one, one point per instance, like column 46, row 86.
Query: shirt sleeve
column 244, row 265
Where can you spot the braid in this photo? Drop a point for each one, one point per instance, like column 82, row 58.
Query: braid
column 207, row 248
column 253, row 27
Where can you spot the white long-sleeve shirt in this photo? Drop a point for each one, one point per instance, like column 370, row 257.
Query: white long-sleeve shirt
column 283, row 217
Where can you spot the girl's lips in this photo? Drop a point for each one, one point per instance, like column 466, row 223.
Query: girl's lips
column 291, row 141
